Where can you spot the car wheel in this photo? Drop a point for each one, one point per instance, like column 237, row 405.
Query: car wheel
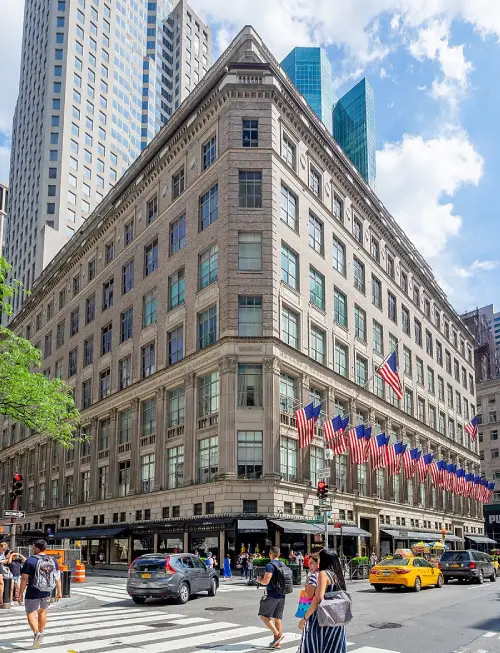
column 378, row 588
column 461, row 581
column 493, row 578
column 480, row 579
column 183, row 593
column 418, row 584
column 446, row 580
column 440, row 582
column 213, row 588
column 139, row 600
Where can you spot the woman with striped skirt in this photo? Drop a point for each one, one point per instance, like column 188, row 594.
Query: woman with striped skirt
column 329, row 639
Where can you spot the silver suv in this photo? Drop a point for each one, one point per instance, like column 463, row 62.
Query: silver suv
column 177, row 576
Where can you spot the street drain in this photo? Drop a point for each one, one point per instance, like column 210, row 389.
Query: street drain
column 219, row 608
column 383, row 626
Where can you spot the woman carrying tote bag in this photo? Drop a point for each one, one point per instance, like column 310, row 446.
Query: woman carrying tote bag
column 316, row 638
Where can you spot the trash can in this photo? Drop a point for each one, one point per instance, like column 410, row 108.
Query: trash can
column 66, row 583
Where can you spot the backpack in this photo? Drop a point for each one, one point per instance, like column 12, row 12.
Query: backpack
column 44, row 578
column 282, row 578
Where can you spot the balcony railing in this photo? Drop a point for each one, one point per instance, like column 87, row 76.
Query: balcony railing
column 174, row 431
column 126, row 446
column 103, row 454
column 208, row 420
column 85, row 460
column 70, row 464
column 146, row 440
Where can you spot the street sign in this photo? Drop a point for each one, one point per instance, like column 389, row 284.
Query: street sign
column 17, row 514
column 324, row 472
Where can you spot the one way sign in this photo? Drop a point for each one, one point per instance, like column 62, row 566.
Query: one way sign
column 16, row 514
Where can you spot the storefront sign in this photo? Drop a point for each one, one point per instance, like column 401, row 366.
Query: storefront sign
column 403, row 535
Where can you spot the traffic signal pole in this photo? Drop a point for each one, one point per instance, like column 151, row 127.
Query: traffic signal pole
column 16, row 492
column 13, row 525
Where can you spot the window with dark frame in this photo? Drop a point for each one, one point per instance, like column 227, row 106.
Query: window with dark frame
column 250, row 133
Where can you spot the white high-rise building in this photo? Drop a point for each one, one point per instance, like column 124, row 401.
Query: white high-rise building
column 98, row 80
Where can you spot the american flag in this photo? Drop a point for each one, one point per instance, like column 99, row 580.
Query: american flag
column 340, row 445
column 377, row 449
column 394, row 457
column 469, row 479
column 357, row 444
column 410, row 460
column 460, row 482
column 423, row 465
column 450, row 477
column 306, row 419
column 389, row 372
column 471, row 428
column 476, row 487
column 437, row 473
column 489, row 494
column 484, row 490
column 332, row 428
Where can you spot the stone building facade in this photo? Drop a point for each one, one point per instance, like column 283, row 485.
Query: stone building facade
column 239, row 268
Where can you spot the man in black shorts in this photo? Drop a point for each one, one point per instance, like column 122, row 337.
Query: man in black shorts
column 272, row 604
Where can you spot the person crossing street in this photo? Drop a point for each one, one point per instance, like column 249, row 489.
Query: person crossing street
column 39, row 576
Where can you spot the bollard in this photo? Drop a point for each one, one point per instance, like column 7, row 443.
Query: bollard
column 53, row 596
column 7, row 587
column 66, row 583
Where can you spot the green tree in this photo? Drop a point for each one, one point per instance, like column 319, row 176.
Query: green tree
column 27, row 396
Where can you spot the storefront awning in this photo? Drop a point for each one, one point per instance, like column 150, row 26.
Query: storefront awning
column 297, row 527
column 90, row 534
column 353, row 531
column 110, row 532
column 453, row 538
column 480, row 539
column 419, row 536
column 252, row 525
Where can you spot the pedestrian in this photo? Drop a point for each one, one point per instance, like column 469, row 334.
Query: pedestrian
column 16, row 561
column 250, row 568
column 272, row 604
column 306, row 561
column 209, row 561
column 315, row 638
column 216, row 563
column 373, row 559
column 101, row 558
column 197, row 553
column 244, row 564
column 40, row 575
column 307, row 594
column 4, row 569
column 92, row 558
column 227, row 568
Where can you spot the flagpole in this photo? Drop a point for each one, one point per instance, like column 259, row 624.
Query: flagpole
column 377, row 368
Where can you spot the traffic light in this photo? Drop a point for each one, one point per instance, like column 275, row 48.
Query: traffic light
column 17, row 486
column 322, row 491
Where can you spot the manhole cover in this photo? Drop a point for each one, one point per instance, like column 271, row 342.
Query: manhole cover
column 219, row 608
column 382, row 626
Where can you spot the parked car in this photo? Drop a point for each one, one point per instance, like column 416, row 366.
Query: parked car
column 176, row 576
column 467, row 565
column 413, row 573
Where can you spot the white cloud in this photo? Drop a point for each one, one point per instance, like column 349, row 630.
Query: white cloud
column 475, row 268
column 416, row 180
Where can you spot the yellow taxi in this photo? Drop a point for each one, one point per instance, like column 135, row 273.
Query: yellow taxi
column 413, row 573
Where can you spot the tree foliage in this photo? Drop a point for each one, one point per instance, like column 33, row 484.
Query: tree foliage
column 26, row 395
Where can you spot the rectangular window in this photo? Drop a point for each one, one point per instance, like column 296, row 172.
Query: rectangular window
column 178, row 183
column 249, row 385
column 289, row 267
column 176, row 287
column 148, row 360
column 417, row 327
column 175, row 467
column 91, row 269
column 152, row 210
column 175, row 341
column 357, row 230
column 60, row 334
column 315, row 181
column 209, row 207
column 208, row 267
column 250, row 316
column 316, row 288
column 107, row 294
column 361, row 371
column 151, row 257
column 125, row 372
column 407, row 361
column 126, row 324
column 208, row 453
column 390, row 266
column 409, row 401
column 375, row 249
column 428, row 343
column 288, row 207
column 338, row 208
column 88, row 351
column 317, row 346
column 250, row 133
column 378, row 338
column 106, row 338
column 316, row 238
column 149, row 309
column 72, row 362
column 341, row 359
column 288, row 150
column 250, row 189
column 290, row 327
column 339, row 256
column 340, row 308
column 207, row 327
column 127, row 277
column 176, row 406
column 105, row 384
column 128, row 233
column 249, row 251
column 376, row 292
column 405, row 320
column 440, row 389
column 250, row 454
column 109, row 252
column 123, row 479
column 359, row 323
column 177, row 239
column 359, row 274
column 392, row 310
column 74, row 322
column 430, row 380
column 147, row 472
column 209, row 152
column 288, row 459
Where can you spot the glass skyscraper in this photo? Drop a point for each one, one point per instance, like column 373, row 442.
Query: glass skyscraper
column 354, row 128
column 311, row 72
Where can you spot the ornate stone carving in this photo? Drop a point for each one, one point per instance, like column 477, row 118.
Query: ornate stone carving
column 272, row 364
column 189, row 380
column 352, row 406
column 164, row 191
column 228, row 365
column 305, row 381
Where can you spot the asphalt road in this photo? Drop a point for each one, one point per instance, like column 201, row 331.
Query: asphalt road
column 100, row 617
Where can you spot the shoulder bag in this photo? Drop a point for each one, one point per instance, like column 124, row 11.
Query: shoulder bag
column 335, row 608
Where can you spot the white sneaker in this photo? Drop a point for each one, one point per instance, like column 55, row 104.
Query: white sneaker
column 37, row 640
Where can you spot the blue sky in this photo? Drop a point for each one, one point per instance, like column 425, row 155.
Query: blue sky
column 433, row 65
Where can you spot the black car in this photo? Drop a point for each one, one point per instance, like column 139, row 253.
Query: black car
column 467, row 565
column 176, row 576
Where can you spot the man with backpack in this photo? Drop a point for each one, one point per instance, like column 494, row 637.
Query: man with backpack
column 278, row 580
column 40, row 575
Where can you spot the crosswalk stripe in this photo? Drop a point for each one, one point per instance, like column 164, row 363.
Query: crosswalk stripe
column 75, row 617
column 490, row 634
column 99, row 594
column 262, row 642
column 208, row 638
column 371, row 649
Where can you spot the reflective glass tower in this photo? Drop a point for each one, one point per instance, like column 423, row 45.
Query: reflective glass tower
column 354, row 128
column 311, row 72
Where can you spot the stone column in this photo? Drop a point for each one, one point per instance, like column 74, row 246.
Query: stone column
column 94, row 471
column 222, row 547
column 134, row 450
column 227, row 417
column 160, row 440
column 330, row 411
column 76, row 473
column 113, row 451
column 352, row 470
column 186, row 542
column 272, row 464
column 190, row 430
column 155, row 542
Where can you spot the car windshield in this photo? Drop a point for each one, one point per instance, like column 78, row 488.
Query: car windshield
column 455, row 556
column 151, row 564
column 396, row 562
